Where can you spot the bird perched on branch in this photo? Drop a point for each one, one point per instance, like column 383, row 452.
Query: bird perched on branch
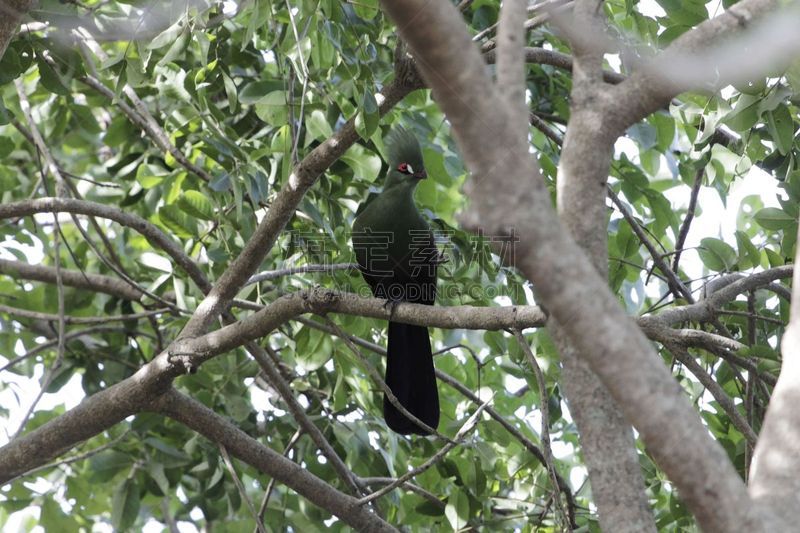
column 397, row 256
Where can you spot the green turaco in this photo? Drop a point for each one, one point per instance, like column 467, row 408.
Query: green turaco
column 397, row 256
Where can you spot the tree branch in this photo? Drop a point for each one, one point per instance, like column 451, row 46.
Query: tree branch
column 508, row 193
column 11, row 12
column 218, row 429
column 281, row 210
column 686, row 63
column 510, row 66
column 82, row 207
column 776, row 460
column 682, row 355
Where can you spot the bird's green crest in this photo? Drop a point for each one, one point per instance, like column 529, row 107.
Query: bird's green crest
column 403, row 147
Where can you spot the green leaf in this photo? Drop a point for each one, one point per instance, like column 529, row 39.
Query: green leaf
column 238, row 408
column 50, row 78
column 428, row 509
column 717, row 255
column 10, row 65
column 644, row 134
column 457, row 510
column 230, row 92
column 366, row 9
column 272, row 108
column 792, row 76
column 177, row 221
column 6, row 146
column 781, row 127
column 85, row 118
column 686, row 12
column 165, row 448
column 107, row 464
column 725, row 164
column 195, row 203
column 317, row 127
column 156, row 472
column 774, row 259
column 166, row 37
column 125, row 505
column 626, row 241
column 745, row 113
column 52, row 518
column 749, row 256
column 149, row 175
column 367, row 119
column 364, row 163
column 665, row 130
column 774, row 219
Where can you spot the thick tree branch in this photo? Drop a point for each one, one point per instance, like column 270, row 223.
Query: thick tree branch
column 686, row 63
column 219, row 430
column 92, row 416
column 11, row 12
column 508, row 193
column 606, row 438
column 82, row 207
column 704, row 310
column 119, row 401
column 510, row 65
column 541, row 56
column 320, row 301
column 71, row 278
column 774, row 482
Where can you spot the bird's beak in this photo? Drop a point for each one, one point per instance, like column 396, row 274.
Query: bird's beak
column 421, row 175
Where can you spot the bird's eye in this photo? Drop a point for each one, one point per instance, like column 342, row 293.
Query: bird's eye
column 405, row 168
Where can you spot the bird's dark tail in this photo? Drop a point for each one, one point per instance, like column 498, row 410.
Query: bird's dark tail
column 410, row 376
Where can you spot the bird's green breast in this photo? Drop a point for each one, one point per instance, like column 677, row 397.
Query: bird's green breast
column 392, row 226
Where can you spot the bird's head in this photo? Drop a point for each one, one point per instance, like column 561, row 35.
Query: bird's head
column 406, row 167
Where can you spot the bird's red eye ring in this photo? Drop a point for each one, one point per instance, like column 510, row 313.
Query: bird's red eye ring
column 403, row 167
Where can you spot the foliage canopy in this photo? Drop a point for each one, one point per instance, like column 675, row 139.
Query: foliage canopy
column 241, row 95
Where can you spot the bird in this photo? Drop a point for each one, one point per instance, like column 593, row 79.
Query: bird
column 397, row 257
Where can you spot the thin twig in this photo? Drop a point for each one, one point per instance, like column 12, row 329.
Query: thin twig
column 676, row 285
column 682, row 355
column 542, row 126
column 53, row 369
column 271, row 485
column 290, row 271
column 382, row 384
column 406, row 485
column 49, row 344
column 545, row 413
column 172, row 525
column 687, row 221
column 50, row 317
column 749, row 386
column 240, row 487
column 304, row 70
column 753, row 316
column 269, row 364
column 468, row 426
